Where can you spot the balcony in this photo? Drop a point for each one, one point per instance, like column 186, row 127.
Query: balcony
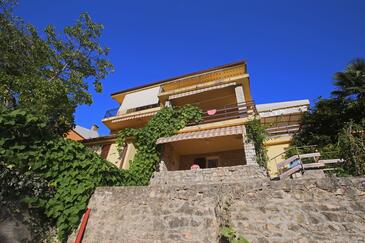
column 134, row 118
column 114, row 112
column 111, row 112
column 227, row 112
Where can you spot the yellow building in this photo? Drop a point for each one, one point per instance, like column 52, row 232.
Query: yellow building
column 223, row 93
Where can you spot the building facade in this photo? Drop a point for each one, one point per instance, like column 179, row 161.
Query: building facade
column 219, row 140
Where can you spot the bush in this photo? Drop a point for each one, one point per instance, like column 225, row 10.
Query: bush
column 352, row 148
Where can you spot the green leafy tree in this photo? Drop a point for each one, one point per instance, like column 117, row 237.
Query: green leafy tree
column 326, row 123
column 321, row 125
column 325, row 120
column 50, row 73
column 351, row 82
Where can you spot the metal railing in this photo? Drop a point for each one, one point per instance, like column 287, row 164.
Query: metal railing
column 283, row 129
column 227, row 112
column 297, row 159
column 111, row 113
column 292, row 151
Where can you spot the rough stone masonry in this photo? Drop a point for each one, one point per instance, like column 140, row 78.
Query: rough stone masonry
column 300, row 210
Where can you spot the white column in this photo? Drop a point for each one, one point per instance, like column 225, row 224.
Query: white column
column 240, row 98
column 167, row 103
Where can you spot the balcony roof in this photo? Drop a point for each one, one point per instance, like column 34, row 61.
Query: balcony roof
column 242, row 62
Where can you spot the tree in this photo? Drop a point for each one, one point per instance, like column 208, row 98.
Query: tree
column 336, row 124
column 50, row 75
column 351, row 82
column 326, row 119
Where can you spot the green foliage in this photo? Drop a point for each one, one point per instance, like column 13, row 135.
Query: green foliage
column 74, row 171
column 43, row 78
column 256, row 132
column 327, row 123
column 71, row 169
column 165, row 123
column 322, row 124
column 49, row 73
column 352, row 148
column 21, row 136
column 351, row 82
column 229, row 235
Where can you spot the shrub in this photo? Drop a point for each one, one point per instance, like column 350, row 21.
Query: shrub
column 352, row 148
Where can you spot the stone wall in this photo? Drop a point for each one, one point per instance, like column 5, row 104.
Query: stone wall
column 301, row 210
column 231, row 174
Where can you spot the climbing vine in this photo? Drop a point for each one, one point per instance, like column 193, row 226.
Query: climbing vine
column 69, row 169
column 165, row 123
column 256, row 132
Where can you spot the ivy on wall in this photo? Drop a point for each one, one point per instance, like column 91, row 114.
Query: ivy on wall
column 256, row 132
column 165, row 123
column 71, row 170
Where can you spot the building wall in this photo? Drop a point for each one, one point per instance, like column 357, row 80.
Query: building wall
column 170, row 158
column 114, row 156
column 96, row 148
column 276, row 146
column 226, row 158
column 130, row 153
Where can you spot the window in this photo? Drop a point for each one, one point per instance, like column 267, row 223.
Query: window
column 207, row 162
column 142, row 108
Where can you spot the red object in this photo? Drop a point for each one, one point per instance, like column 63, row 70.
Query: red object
column 80, row 234
column 212, row 112
column 195, row 167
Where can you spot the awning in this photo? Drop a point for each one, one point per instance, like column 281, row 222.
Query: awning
column 141, row 98
column 217, row 132
column 192, row 92
column 135, row 116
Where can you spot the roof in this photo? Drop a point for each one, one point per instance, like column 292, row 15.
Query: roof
column 100, row 139
column 85, row 132
column 281, row 105
column 181, row 76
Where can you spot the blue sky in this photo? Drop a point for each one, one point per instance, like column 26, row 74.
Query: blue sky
column 292, row 47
